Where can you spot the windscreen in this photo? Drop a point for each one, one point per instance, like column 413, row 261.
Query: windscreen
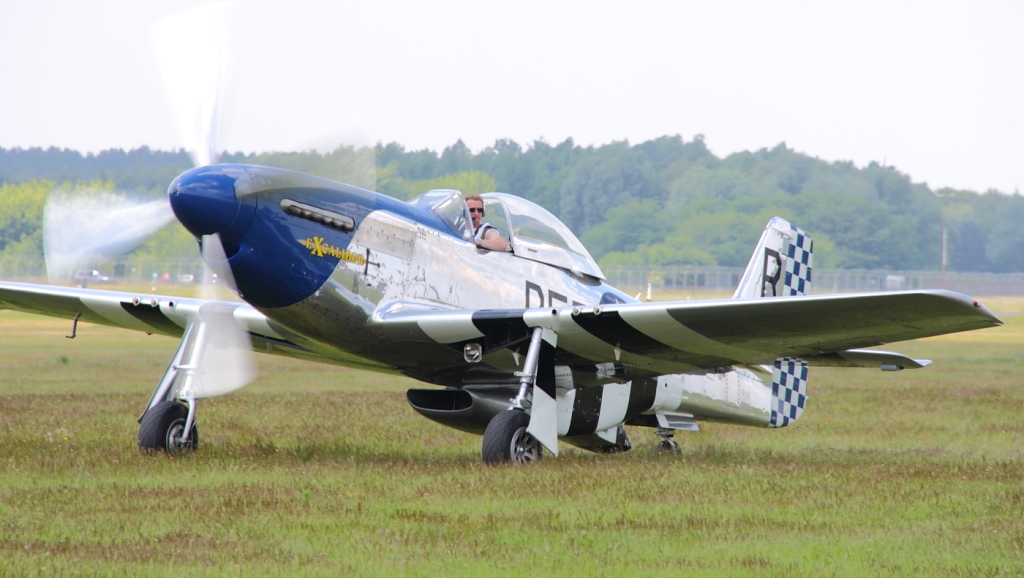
column 450, row 206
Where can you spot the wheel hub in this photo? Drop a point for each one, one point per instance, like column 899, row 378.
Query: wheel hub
column 525, row 448
column 174, row 437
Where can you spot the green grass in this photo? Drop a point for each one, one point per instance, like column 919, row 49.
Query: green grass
column 316, row 470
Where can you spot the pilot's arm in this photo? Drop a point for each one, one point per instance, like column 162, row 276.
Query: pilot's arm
column 493, row 241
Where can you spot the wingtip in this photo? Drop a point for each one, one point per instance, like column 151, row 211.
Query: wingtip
column 980, row 308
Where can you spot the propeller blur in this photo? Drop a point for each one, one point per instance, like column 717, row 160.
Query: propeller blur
column 80, row 227
column 194, row 48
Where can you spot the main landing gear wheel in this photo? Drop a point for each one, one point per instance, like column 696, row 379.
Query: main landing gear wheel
column 162, row 427
column 506, row 440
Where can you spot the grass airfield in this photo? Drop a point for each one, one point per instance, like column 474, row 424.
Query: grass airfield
column 315, row 470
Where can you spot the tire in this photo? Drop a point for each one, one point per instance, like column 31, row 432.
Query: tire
column 668, row 447
column 506, row 440
column 161, row 429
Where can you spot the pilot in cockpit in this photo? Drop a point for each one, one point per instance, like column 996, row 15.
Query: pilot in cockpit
column 485, row 234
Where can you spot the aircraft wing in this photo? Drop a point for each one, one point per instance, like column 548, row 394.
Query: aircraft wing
column 681, row 337
column 160, row 314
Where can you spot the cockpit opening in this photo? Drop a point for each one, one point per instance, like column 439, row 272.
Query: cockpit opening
column 531, row 231
column 538, row 235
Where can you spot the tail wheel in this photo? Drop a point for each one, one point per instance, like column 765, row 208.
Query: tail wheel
column 162, row 427
column 506, row 439
column 668, row 447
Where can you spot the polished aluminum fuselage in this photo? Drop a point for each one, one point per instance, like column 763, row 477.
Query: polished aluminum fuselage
column 398, row 262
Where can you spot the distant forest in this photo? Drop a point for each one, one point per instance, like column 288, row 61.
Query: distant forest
column 666, row 201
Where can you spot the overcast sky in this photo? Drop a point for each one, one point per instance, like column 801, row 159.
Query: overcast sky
column 935, row 89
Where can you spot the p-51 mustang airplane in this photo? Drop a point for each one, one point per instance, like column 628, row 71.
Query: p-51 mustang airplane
column 530, row 346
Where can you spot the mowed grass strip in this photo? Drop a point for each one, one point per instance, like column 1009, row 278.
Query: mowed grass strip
column 316, row 470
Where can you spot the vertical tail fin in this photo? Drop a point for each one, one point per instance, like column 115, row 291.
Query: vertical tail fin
column 780, row 265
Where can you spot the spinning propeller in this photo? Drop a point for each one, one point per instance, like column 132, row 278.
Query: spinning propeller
column 193, row 49
column 82, row 227
column 227, row 362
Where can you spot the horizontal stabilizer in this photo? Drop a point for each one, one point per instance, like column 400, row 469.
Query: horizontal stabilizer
column 672, row 420
column 884, row 360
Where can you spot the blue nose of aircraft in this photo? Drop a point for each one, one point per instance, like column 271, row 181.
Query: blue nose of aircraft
column 206, row 202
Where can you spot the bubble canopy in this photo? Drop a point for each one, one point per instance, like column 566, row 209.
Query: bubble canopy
column 533, row 232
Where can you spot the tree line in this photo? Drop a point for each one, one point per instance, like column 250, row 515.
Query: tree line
column 667, row 201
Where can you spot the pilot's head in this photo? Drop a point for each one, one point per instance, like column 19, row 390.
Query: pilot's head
column 476, row 209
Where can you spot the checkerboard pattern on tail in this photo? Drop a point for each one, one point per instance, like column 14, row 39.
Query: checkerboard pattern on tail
column 789, row 391
column 798, row 250
column 780, row 265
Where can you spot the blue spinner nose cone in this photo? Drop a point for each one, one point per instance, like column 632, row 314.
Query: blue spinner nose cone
column 205, row 202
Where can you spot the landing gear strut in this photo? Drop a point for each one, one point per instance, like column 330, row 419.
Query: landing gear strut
column 167, row 424
column 506, row 438
column 667, row 445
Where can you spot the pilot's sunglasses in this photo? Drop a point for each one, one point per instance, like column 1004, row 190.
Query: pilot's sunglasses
column 481, row 211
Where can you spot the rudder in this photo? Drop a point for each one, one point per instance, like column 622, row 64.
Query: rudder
column 781, row 263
